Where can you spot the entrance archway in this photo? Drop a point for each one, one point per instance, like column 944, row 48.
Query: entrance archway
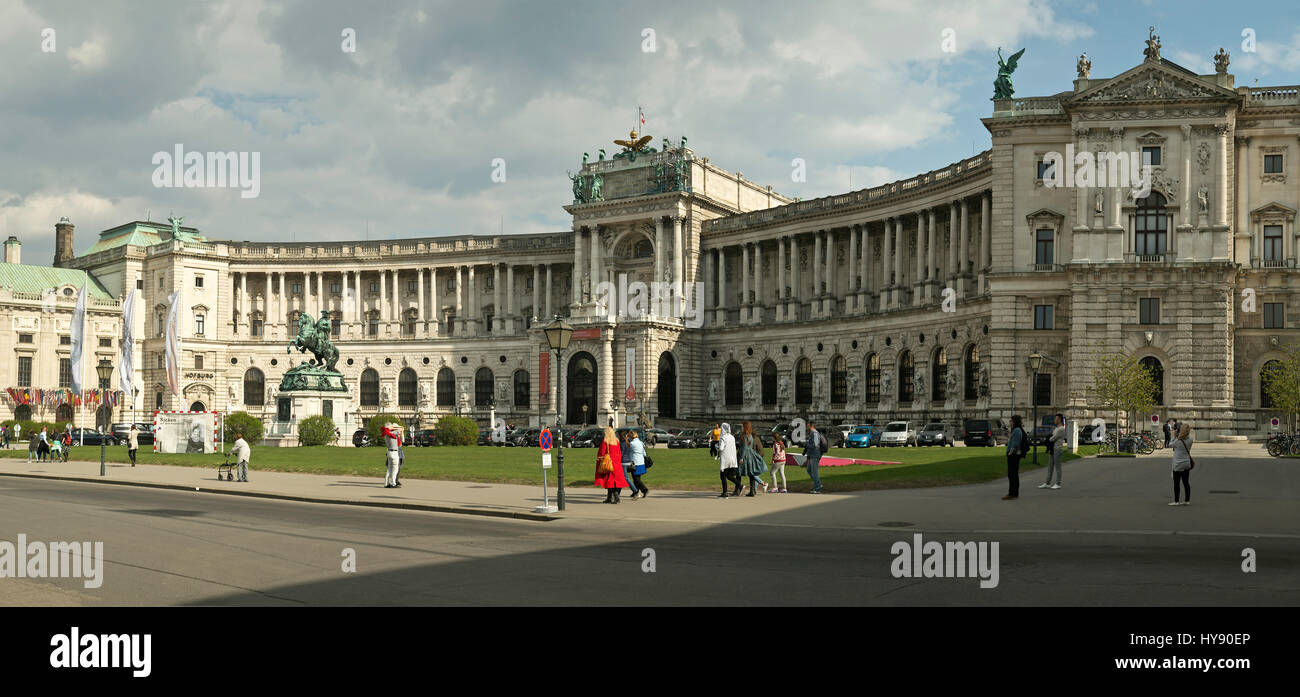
column 667, row 386
column 198, row 406
column 580, row 386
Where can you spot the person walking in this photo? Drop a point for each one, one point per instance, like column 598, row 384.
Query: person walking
column 239, row 450
column 813, row 451
column 625, row 452
column 637, row 448
column 715, row 438
column 751, row 460
column 67, row 444
column 33, row 448
column 609, row 467
column 132, row 443
column 401, row 456
column 1168, row 433
column 56, row 449
column 1183, row 464
column 1017, row 443
column 393, row 454
column 1056, row 446
column 729, row 465
column 44, row 450
column 4, row 436
column 778, row 463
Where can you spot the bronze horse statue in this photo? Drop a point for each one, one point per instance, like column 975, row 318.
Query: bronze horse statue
column 315, row 337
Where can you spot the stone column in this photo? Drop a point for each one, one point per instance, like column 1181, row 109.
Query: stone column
column 1081, row 213
column 756, row 312
column 593, row 241
column 420, row 317
column 964, row 252
column 1189, row 215
column 475, row 306
column 780, row 279
column 243, row 300
column 434, row 309
column 831, row 302
column 1117, row 195
column 796, row 293
column 510, row 299
column 744, row 283
column 283, row 319
column 548, row 292
column 579, row 247
column 851, row 299
column 887, row 265
column 722, row 286
column 922, row 222
column 1247, row 255
column 895, row 295
column 459, row 329
column 868, row 260
column 817, row 274
column 1221, row 212
column 537, row 294
column 985, row 241
column 497, row 315
column 661, row 253
column 679, row 265
column 953, row 246
column 606, row 391
column 931, row 245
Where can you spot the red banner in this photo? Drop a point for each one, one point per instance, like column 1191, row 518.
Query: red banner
column 588, row 333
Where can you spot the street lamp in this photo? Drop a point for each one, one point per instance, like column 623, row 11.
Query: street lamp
column 105, row 371
column 1012, row 384
column 558, row 333
column 1035, row 362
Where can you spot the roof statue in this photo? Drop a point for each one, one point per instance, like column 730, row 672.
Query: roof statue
column 1002, row 88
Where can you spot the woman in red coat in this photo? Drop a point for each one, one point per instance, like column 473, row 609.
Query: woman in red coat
column 614, row 481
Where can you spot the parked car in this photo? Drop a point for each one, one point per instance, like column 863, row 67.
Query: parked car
column 656, row 435
column 898, row 433
column 143, row 433
column 587, row 438
column 935, row 433
column 424, row 438
column 863, row 437
column 517, row 438
column 839, row 436
column 684, row 439
column 484, row 435
column 674, row 431
column 703, row 437
column 91, row 437
column 785, row 431
column 1085, row 433
column 532, row 437
column 977, row 432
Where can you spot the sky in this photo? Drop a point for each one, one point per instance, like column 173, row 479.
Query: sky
column 453, row 118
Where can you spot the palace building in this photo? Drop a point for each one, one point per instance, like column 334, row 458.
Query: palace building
column 921, row 299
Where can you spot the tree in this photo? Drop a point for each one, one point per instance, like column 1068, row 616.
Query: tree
column 375, row 428
column 316, row 430
column 457, row 430
column 243, row 422
column 1282, row 383
column 1123, row 384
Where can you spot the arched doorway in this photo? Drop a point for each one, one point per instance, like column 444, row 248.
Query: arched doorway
column 580, row 387
column 667, row 388
column 446, row 387
column 407, row 384
column 63, row 413
column 1157, row 372
column 733, row 392
column 22, row 412
column 769, row 383
column 483, row 381
column 198, row 406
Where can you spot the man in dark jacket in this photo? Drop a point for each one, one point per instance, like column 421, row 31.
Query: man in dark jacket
column 1166, row 434
column 813, row 451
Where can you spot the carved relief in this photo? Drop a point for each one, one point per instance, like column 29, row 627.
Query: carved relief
column 1203, row 157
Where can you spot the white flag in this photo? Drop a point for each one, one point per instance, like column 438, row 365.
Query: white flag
column 78, row 338
column 126, row 369
column 173, row 349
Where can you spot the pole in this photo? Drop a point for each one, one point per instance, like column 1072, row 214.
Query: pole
column 1033, row 397
column 102, row 447
column 559, row 431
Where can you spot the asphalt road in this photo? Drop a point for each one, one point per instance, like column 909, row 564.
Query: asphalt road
column 169, row 547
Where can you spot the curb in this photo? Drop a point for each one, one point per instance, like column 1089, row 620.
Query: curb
column 520, row 515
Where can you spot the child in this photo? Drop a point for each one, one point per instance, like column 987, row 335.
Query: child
column 778, row 464
column 56, row 449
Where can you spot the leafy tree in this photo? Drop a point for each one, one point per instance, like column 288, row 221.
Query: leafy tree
column 1123, row 384
column 316, row 430
column 457, row 430
column 375, row 428
column 1282, row 383
column 243, row 422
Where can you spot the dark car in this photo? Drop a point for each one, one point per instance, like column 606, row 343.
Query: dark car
column 587, row 438
column 784, row 430
column 935, row 433
column 532, row 437
column 425, row 437
column 1085, row 433
column 91, row 437
column 360, row 438
column 1044, row 431
column 687, row 438
column 143, row 433
column 484, row 435
column 977, row 432
column 517, row 438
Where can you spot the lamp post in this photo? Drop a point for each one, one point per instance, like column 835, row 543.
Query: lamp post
column 105, row 371
column 558, row 333
column 1035, row 362
column 1012, row 384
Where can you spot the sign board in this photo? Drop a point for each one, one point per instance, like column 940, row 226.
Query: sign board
column 1155, row 418
column 185, row 432
column 544, row 440
column 546, row 461
column 1275, row 422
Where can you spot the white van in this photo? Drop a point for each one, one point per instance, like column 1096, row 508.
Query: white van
column 898, row 433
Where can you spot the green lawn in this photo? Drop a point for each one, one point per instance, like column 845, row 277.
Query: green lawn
column 673, row 469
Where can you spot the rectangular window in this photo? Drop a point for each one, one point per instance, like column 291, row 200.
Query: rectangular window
column 139, row 284
column 373, row 328
column 336, row 327
column 105, row 342
column 336, row 288
column 1149, row 310
column 1272, row 243
column 65, row 373
column 374, row 286
column 257, row 327
column 158, row 400
column 160, row 361
column 198, row 324
column 198, row 361
column 410, row 326
column 1045, row 169
column 295, row 288
column 1043, row 390
column 451, row 284
column 1151, row 155
column 1044, row 253
column 410, row 287
column 1273, row 316
column 65, row 341
column 1042, row 317
column 27, row 338
column 1272, row 164
column 198, row 281
column 25, row 372
column 162, row 281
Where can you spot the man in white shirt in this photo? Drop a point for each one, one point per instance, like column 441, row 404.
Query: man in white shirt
column 241, row 452
column 393, row 441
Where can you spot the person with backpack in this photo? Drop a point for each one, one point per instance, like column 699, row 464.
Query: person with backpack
column 640, row 462
column 67, row 445
column 1017, row 447
column 1183, row 464
column 33, row 448
column 813, row 451
column 778, row 464
column 751, row 458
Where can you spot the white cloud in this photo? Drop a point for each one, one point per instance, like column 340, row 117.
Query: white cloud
column 90, row 56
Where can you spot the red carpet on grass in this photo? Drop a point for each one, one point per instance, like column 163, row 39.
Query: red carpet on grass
column 841, row 461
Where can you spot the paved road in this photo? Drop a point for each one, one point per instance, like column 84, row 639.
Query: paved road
column 1105, row 539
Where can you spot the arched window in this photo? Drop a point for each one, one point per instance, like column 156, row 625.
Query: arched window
column 1152, row 364
column 198, row 406
column 667, row 387
column 873, row 379
column 408, row 387
column 839, row 380
column 63, row 413
column 254, row 387
column 939, row 375
column 803, row 382
column 1150, row 225
column 1265, row 401
column 768, row 390
column 446, row 387
column 22, row 412
column 482, row 386
column 906, row 377
column 369, row 388
column 971, row 372
column 523, row 389
column 733, row 390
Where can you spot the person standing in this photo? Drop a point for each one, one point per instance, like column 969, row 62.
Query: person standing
column 637, row 447
column 778, row 463
column 751, row 458
column 67, row 444
column 1168, row 433
column 1183, row 464
column 238, row 450
column 4, row 436
column 401, row 456
column 393, row 454
column 33, row 448
column 56, row 449
column 715, row 438
column 609, row 467
column 813, row 451
column 625, row 452
column 1016, row 444
column 44, row 450
column 132, row 443
column 729, row 465
column 1056, row 446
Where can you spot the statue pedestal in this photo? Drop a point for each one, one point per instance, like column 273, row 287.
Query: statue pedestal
column 301, row 404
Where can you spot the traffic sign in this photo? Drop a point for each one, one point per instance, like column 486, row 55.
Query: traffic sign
column 1155, row 418
column 544, row 440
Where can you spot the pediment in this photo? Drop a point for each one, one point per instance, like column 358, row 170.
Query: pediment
column 1152, row 82
column 1273, row 210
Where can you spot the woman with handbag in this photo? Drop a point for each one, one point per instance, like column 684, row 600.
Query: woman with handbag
column 609, row 466
column 751, row 458
column 639, row 464
column 1183, row 464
